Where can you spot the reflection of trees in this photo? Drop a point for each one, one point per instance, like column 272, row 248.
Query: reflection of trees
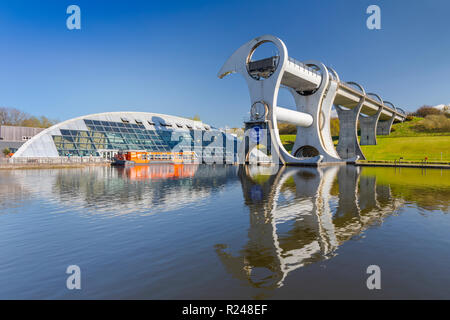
column 297, row 217
column 12, row 193
column 426, row 199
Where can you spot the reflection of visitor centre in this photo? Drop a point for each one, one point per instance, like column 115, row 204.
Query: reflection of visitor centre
column 104, row 134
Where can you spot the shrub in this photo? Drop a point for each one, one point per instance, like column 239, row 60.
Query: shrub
column 286, row 128
column 6, row 151
column 426, row 111
column 434, row 123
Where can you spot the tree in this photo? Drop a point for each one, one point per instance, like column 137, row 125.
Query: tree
column 46, row 123
column 195, row 118
column 3, row 115
column 31, row 122
column 425, row 111
column 15, row 117
column 285, row 128
column 434, row 123
column 11, row 116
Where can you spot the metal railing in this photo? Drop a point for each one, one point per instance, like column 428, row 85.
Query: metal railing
column 304, row 66
column 58, row 160
column 391, row 109
column 401, row 111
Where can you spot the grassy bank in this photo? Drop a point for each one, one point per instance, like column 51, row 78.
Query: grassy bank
column 405, row 141
column 435, row 148
column 411, row 143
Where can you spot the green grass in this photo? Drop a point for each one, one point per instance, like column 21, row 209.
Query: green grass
column 404, row 141
column 413, row 145
column 410, row 148
column 288, row 141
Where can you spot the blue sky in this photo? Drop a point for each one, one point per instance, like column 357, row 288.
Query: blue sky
column 164, row 56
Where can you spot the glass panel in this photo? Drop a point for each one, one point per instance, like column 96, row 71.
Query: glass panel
column 116, row 135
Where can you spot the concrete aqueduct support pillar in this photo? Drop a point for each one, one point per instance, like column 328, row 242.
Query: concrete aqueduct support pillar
column 348, row 146
column 368, row 125
column 384, row 126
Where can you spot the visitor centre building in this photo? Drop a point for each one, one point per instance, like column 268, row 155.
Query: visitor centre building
column 105, row 134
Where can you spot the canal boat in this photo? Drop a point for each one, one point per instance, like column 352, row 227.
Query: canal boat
column 138, row 157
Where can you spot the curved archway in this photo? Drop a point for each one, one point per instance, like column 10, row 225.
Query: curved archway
column 306, row 152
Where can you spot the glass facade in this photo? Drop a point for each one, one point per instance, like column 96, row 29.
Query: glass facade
column 114, row 136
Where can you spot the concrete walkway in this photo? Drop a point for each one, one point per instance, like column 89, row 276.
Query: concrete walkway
column 404, row 165
column 22, row 166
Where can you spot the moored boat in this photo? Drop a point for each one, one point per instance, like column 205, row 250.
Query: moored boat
column 138, row 157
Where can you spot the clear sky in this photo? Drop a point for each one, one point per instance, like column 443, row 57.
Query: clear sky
column 164, row 56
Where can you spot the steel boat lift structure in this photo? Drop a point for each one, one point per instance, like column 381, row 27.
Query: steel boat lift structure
column 315, row 88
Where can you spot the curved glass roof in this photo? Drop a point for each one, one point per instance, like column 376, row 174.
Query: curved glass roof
column 96, row 134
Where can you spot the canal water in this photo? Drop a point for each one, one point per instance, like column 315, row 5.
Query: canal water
column 225, row 232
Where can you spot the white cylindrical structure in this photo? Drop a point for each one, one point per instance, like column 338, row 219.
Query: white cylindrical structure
column 299, row 119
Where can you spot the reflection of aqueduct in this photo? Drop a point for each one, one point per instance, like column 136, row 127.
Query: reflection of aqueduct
column 315, row 88
column 293, row 223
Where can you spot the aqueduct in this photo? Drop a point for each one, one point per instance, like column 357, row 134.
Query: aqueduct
column 315, row 88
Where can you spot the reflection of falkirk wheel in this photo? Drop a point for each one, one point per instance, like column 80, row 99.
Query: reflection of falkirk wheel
column 315, row 88
column 300, row 216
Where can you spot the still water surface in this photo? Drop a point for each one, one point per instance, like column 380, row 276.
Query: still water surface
column 225, row 232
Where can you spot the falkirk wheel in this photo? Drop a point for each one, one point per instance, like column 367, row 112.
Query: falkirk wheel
column 315, row 88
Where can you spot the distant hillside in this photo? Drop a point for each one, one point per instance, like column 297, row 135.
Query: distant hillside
column 431, row 125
